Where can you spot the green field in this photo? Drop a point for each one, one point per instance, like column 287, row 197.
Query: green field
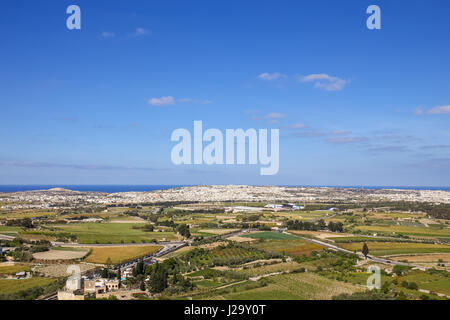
column 437, row 282
column 253, row 271
column 207, row 284
column 6, row 229
column 13, row 269
column 291, row 247
column 89, row 233
column 8, row 286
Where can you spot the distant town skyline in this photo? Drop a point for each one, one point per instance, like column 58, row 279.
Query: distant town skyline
column 97, row 106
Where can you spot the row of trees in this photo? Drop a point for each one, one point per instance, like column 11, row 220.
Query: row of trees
column 312, row 226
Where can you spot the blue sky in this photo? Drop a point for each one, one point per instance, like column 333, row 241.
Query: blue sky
column 98, row 105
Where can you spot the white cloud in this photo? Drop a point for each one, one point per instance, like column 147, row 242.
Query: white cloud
column 275, row 115
column 163, row 101
column 345, row 140
column 270, row 76
column 340, row 132
column 325, row 81
column 297, row 126
column 440, row 110
column 418, row 111
column 140, row 32
column 107, row 34
column 190, row 100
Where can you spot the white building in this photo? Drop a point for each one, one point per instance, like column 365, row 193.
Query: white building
column 73, row 283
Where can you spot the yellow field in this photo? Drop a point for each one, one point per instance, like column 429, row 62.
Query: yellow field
column 119, row 254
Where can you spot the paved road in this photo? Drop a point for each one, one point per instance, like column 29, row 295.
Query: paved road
column 167, row 248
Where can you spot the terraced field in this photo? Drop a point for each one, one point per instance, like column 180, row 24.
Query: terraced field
column 299, row 286
column 223, row 256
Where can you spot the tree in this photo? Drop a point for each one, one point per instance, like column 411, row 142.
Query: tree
column 108, row 263
column 365, row 250
column 105, row 273
column 183, row 229
column 158, row 279
column 119, row 275
column 322, row 225
column 140, row 267
column 399, row 270
column 142, row 287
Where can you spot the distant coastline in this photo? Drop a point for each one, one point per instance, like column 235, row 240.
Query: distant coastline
column 144, row 188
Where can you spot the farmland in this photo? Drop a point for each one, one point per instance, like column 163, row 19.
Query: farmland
column 60, row 255
column 291, row 247
column 225, row 255
column 119, row 254
column 272, row 254
column 8, row 286
column 405, row 230
column 300, row 286
column 433, row 281
column 394, row 248
column 13, row 269
column 89, row 233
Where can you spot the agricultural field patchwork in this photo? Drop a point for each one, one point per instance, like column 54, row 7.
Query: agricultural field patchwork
column 267, row 257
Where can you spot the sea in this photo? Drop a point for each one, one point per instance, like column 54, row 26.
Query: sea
column 142, row 188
